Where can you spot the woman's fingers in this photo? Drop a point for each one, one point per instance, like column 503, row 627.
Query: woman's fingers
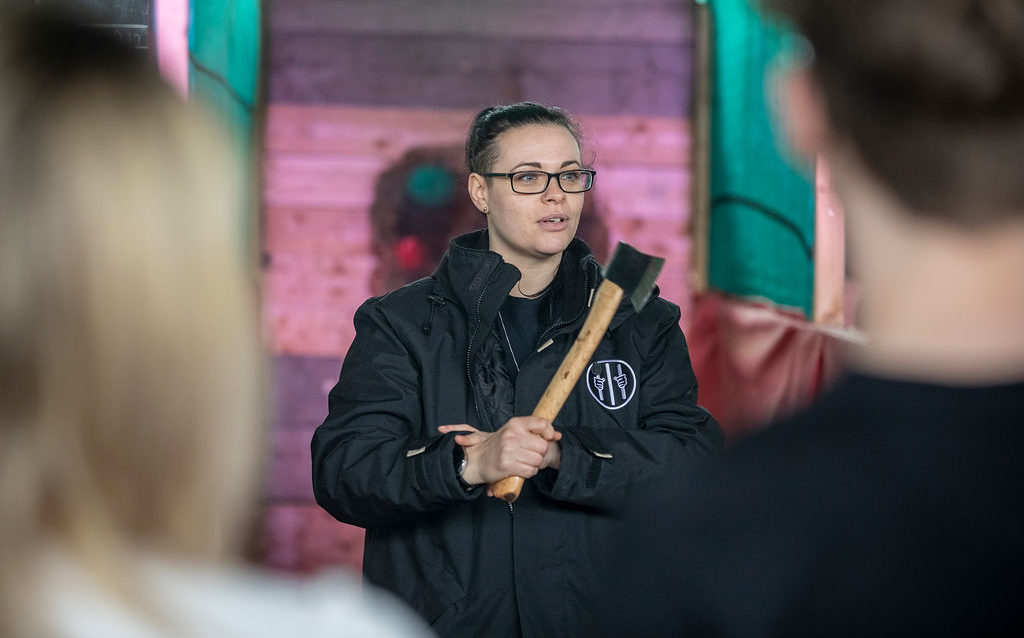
column 456, row 427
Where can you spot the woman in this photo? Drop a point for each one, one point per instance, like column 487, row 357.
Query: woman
column 130, row 426
column 429, row 406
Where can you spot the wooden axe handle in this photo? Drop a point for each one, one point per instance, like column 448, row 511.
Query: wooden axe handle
column 606, row 302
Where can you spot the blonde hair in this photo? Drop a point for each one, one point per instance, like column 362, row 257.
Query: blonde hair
column 129, row 360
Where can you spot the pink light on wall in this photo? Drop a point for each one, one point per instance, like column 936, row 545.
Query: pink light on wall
column 172, row 41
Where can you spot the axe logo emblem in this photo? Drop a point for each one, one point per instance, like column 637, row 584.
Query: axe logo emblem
column 611, row 382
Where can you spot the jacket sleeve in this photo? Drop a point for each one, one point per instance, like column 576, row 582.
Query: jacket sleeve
column 374, row 460
column 605, row 466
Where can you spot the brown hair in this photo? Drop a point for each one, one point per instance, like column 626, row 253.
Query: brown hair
column 929, row 93
column 481, row 141
column 129, row 359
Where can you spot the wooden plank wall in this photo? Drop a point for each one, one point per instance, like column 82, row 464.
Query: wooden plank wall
column 589, row 56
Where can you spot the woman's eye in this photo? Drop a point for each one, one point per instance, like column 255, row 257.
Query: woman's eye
column 527, row 177
column 571, row 177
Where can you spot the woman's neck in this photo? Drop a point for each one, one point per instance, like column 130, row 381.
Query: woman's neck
column 536, row 279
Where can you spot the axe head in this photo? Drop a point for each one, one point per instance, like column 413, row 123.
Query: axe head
column 634, row 272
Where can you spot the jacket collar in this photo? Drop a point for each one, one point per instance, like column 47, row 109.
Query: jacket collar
column 480, row 280
column 468, row 268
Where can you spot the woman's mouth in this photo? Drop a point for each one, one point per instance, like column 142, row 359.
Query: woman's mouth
column 555, row 222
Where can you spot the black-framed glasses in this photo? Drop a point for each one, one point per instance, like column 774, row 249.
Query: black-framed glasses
column 576, row 180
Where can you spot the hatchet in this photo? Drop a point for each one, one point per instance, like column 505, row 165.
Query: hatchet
column 629, row 273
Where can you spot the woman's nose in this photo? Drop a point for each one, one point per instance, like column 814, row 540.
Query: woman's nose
column 553, row 192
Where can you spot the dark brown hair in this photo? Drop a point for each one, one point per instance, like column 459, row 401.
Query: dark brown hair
column 929, row 92
column 481, row 149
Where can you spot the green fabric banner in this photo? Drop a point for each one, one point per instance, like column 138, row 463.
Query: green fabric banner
column 761, row 236
column 224, row 75
column 224, row 59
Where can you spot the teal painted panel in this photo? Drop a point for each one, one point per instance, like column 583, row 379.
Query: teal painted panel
column 761, row 237
column 224, row 75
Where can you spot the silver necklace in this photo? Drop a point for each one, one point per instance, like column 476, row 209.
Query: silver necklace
column 536, row 294
column 508, row 341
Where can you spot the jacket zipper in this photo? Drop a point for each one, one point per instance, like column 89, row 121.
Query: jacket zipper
column 543, row 336
column 540, row 340
column 469, row 349
column 555, row 326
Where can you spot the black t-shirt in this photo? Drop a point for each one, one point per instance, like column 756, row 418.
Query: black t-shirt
column 519, row 325
column 891, row 507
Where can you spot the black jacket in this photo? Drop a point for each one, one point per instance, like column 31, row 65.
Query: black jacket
column 427, row 355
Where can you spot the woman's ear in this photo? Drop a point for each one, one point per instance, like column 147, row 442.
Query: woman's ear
column 477, row 186
column 801, row 110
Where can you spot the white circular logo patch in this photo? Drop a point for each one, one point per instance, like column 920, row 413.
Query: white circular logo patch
column 612, row 382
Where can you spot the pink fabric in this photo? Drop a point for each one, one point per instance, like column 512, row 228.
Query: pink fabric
column 829, row 253
column 756, row 363
column 172, row 41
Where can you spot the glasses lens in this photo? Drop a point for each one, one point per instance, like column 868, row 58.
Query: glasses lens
column 529, row 182
column 575, row 181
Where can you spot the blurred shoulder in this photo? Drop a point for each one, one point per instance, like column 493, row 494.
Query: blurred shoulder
column 256, row 603
column 176, row 598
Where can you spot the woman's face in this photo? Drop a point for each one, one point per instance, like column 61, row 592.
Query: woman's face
column 526, row 229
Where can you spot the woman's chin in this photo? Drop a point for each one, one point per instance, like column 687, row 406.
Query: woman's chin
column 554, row 245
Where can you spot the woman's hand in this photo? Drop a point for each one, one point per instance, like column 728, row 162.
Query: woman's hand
column 521, row 447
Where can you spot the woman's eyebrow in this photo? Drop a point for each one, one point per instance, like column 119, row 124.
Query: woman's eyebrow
column 537, row 164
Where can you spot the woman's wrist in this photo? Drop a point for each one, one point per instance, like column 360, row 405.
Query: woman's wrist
column 461, row 463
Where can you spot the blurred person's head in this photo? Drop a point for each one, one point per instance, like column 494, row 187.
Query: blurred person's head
column 129, row 365
column 917, row 106
column 927, row 96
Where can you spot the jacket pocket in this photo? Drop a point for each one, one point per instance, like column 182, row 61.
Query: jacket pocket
column 598, row 455
column 592, row 444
